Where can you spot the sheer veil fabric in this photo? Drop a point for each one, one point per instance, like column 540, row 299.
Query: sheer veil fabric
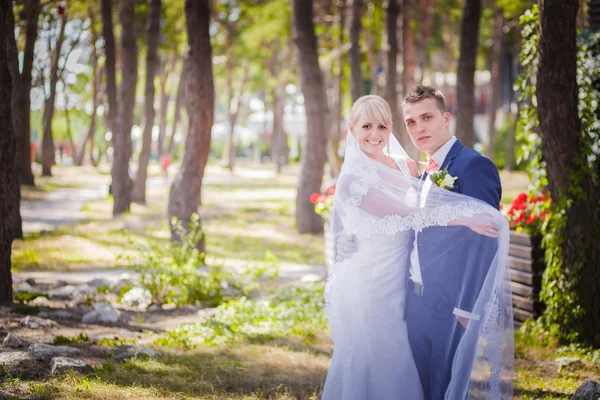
column 365, row 294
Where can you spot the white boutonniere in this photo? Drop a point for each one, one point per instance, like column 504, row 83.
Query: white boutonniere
column 443, row 179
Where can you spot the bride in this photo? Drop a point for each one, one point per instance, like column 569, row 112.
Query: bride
column 376, row 203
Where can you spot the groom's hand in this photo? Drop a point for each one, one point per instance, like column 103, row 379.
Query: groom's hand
column 346, row 246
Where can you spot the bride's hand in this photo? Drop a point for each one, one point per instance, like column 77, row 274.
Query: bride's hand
column 480, row 223
column 412, row 167
column 486, row 228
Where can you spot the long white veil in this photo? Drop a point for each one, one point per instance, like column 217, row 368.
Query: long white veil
column 374, row 201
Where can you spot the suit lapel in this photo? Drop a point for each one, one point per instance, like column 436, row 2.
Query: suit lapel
column 454, row 150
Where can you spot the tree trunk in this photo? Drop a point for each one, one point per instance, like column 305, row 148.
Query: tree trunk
column 12, row 58
column 184, row 198
column 177, row 115
column 426, row 25
column 496, row 79
column 279, row 147
column 357, row 87
column 121, row 182
column 315, row 102
column 109, row 51
column 95, row 87
column 165, row 98
column 408, row 47
column 21, row 90
column 138, row 193
column 391, row 92
column 8, row 171
column 335, row 162
column 562, row 142
column 374, row 58
column 594, row 15
column 47, row 140
column 465, row 85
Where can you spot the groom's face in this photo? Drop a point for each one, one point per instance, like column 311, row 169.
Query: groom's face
column 427, row 125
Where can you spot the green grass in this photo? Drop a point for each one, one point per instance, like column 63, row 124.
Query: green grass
column 245, row 372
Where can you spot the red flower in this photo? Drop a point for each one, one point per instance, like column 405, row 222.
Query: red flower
column 314, row 197
column 521, row 198
column 322, row 198
column 331, row 190
column 511, row 211
column 531, row 219
column 520, row 207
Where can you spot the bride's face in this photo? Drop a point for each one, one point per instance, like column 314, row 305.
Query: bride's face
column 371, row 134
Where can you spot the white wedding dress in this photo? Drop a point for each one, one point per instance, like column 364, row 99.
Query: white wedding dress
column 365, row 295
column 372, row 359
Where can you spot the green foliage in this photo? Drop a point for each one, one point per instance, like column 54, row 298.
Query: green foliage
column 68, row 340
column 24, row 297
column 116, row 341
column 290, row 311
column 177, row 272
column 563, row 314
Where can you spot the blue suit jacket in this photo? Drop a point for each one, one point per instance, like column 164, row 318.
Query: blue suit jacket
column 453, row 277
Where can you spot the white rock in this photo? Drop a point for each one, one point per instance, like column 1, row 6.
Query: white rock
column 32, row 322
column 62, row 364
column 15, row 358
column 13, row 342
column 102, row 313
column 24, row 287
column 137, row 297
column 137, row 350
column 70, row 292
column 46, row 351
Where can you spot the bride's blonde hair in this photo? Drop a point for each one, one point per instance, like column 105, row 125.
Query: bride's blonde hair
column 371, row 107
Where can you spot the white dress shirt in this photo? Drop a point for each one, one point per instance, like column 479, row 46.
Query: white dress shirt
column 439, row 157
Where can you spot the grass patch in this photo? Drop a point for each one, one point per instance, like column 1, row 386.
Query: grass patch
column 24, row 297
column 68, row 340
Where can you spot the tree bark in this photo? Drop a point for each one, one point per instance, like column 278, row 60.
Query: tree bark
column 594, row 15
column 138, row 193
column 496, row 79
column 279, row 147
column 184, row 198
column 165, row 98
column 408, row 47
column 357, row 86
column 426, row 25
column 21, row 90
column 391, row 92
column 465, row 86
column 315, row 101
column 47, row 140
column 335, row 162
column 121, row 182
column 8, row 171
column 16, row 97
column 109, row 51
column 177, row 115
column 562, row 142
column 95, row 88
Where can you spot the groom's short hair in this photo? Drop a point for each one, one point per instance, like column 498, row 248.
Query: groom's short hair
column 422, row 92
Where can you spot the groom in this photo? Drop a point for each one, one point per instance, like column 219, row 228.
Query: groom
column 438, row 307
